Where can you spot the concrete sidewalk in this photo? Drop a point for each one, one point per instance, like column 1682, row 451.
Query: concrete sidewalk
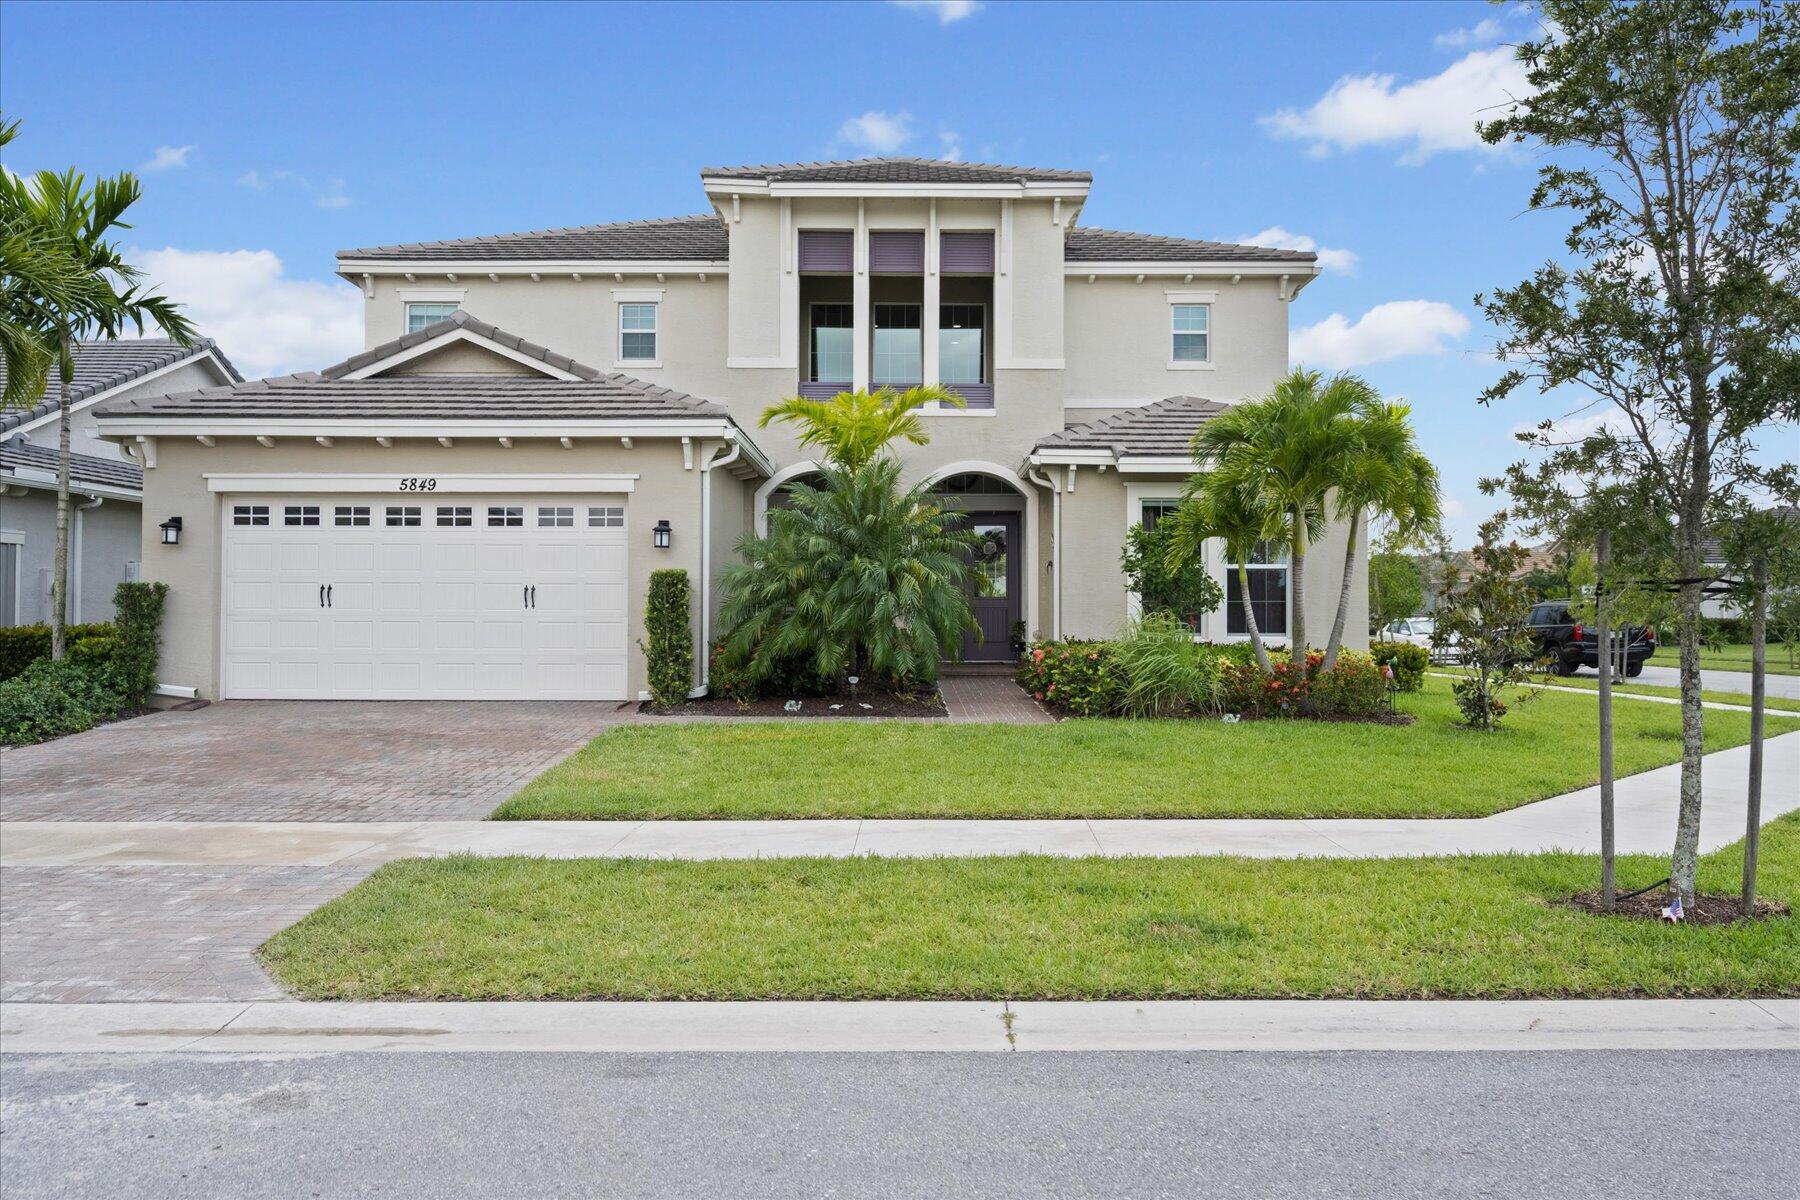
column 1646, row 805
column 284, row 1027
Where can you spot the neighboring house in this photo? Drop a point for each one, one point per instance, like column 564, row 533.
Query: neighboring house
column 1714, row 556
column 472, row 506
column 105, row 485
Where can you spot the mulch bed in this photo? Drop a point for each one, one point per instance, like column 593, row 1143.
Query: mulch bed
column 1709, row 908
column 863, row 704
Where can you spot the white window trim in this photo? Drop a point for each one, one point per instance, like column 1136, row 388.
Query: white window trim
column 407, row 307
column 1136, row 496
column 622, row 363
column 1192, row 299
column 1273, row 637
column 432, row 295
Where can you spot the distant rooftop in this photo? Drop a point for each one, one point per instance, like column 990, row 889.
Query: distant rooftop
column 102, row 366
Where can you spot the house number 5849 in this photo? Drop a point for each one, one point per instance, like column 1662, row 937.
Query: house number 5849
column 415, row 483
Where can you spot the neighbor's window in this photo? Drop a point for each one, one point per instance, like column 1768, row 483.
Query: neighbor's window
column 1268, row 593
column 1192, row 332
column 637, row 333
column 960, row 331
column 899, row 360
column 421, row 314
column 833, row 343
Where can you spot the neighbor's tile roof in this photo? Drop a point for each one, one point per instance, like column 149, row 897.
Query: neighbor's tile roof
column 1159, row 430
column 101, row 366
column 1115, row 245
column 329, row 395
column 895, row 170
column 698, row 238
column 83, row 468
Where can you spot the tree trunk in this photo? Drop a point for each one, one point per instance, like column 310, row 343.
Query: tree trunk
column 59, row 574
column 1685, row 860
column 1759, row 632
column 1343, row 608
column 1256, row 642
column 1297, row 596
column 1603, row 631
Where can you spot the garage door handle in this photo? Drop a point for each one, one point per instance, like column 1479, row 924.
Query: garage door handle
column 534, row 595
column 321, row 595
column 328, row 588
column 524, row 595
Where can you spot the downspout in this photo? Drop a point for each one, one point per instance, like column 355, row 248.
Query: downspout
column 1037, row 477
column 706, row 470
column 75, row 572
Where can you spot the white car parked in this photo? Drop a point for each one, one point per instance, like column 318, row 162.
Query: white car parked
column 1419, row 631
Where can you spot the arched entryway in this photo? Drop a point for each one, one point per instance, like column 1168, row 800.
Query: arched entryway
column 1002, row 572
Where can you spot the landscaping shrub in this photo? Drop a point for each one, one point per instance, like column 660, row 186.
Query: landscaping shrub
column 1408, row 661
column 732, row 678
column 49, row 699
column 1186, row 590
column 21, row 645
column 1356, row 686
column 1076, row 676
column 670, row 648
column 137, row 647
column 1163, row 672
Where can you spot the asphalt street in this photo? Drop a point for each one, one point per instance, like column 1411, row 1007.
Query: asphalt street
column 1338, row 1124
column 1786, row 687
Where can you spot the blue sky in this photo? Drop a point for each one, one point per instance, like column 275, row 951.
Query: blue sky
column 271, row 135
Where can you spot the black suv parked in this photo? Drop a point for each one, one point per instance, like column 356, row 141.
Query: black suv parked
column 1569, row 645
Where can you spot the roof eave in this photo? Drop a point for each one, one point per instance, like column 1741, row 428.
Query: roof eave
column 1033, row 189
column 358, row 270
column 1300, row 272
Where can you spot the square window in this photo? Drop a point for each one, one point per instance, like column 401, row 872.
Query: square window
column 637, row 332
column 403, row 515
column 455, row 515
column 506, row 516
column 556, row 518
column 351, row 514
column 1192, row 331
column 611, row 516
column 250, row 514
column 419, row 315
column 300, row 514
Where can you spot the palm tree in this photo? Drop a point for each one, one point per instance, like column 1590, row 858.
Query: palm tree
column 1286, row 452
column 1209, row 512
column 1387, row 476
column 59, row 215
column 853, row 427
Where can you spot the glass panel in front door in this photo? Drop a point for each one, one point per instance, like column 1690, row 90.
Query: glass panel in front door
column 990, row 562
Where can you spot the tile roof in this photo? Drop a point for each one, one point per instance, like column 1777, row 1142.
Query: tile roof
column 328, row 394
column 895, row 170
column 697, row 238
column 83, row 468
column 1159, row 430
column 1116, row 245
column 100, row 366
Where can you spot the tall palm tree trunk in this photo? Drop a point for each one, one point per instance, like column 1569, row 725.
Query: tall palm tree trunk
column 1256, row 642
column 1297, row 595
column 1343, row 607
column 59, row 573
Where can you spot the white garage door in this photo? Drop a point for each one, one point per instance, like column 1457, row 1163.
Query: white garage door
column 425, row 597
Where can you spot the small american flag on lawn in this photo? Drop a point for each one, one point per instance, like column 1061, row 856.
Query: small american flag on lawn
column 1672, row 913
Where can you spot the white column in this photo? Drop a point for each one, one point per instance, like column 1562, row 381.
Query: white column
column 928, row 323
column 859, row 258
column 1003, row 288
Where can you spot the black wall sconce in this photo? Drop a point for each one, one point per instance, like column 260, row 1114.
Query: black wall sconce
column 660, row 535
column 171, row 531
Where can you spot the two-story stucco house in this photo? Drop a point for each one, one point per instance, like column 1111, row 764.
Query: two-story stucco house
column 471, row 507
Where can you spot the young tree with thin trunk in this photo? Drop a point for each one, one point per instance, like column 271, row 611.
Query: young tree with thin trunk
column 1671, row 133
column 1210, row 512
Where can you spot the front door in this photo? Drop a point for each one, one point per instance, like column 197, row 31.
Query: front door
column 994, row 585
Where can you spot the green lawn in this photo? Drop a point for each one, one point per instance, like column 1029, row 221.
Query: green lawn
column 1027, row 928
column 1432, row 768
column 1771, row 704
column 1732, row 657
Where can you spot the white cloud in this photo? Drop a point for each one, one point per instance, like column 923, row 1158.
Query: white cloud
column 1275, row 237
column 330, row 195
column 952, row 151
column 266, row 323
column 1453, row 507
column 948, row 12
column 165, row 158
column 880, row 132
column 1425, row 117
column 1397, row 329
column 1484, row 31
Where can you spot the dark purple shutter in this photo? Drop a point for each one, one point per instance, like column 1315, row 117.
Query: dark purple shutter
column 826, row 250
column 966, row 253
column 897, row 253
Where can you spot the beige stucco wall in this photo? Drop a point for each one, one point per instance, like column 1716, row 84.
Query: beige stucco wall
column 176, row 487
column 1119, row 340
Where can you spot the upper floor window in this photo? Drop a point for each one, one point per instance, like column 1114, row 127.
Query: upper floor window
column 421, row 313
column 961, row 333
column 898, row 360
column 637, row 332
column 833, row 345
column 1192, row 332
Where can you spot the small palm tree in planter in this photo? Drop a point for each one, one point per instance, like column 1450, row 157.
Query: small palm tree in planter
column 858, row 576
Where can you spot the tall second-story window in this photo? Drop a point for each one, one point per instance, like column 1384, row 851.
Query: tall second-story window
column 961, row 328
column 833, row 348
column 419, row 314
column 1192, row 331
column 637, row 333
column 899, row 359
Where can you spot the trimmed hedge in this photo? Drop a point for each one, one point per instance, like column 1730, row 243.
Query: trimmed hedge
column 108, row 670
column 22, row 645
column 670, row 648
column 1410, row 663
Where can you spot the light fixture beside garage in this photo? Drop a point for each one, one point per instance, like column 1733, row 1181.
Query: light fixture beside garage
column 660, row 534
column 171, row 531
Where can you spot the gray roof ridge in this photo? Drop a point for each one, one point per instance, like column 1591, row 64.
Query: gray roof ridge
column 491, row 238
column 52, row 402
column 1177, row 240
column 920, row 159
column 1124, row 420
column 459, row 320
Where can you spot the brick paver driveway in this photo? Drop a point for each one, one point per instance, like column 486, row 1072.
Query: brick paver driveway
column 279, row 760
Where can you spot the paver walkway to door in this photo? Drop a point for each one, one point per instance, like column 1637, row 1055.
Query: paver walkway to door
column 975, row 697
